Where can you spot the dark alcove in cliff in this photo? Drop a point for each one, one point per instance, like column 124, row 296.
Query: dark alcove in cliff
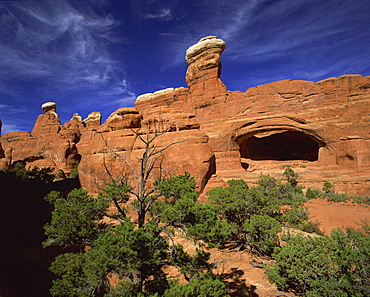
column 288, row 145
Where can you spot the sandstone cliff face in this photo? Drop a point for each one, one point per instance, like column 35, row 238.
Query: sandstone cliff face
column 320, row 129
column 118, row 137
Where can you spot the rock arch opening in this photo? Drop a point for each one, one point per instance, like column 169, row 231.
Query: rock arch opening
column 280, row 146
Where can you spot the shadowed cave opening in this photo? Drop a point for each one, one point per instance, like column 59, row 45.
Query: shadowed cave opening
column 283, row 146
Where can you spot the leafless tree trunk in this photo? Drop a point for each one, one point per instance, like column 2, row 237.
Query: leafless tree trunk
column 142, row 189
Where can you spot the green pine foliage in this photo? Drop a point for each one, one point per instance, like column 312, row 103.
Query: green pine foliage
column 253, row 217
column 137, row 250
column 336, row 265
column 76, row 219
column 328, row 187
column 328, row 193
column 192, row 266
column 312, row 194
column 261, row 233
column 136, row 255
column 248, row 218
column 42, row 174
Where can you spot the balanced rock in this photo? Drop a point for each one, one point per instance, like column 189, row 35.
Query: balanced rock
column 203, row 74
column 50, row 107
column 203, row 59
column 49, row 122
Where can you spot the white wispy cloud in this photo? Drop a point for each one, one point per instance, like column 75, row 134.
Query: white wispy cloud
column 163, row 15
column 6, row 109
column 6, row 128
column 124, row 93
column 55, row 40
column 159, row 10
column 9, row 116
column 58, row 51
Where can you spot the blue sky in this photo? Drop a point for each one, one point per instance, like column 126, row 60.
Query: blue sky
column 99, row 55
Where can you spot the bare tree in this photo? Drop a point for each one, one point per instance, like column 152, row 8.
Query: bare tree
column 140, row 185
column 137, row 255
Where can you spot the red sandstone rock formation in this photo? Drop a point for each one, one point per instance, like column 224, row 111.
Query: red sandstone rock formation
column 320, row 129
column 117, row 134
column 49, row 145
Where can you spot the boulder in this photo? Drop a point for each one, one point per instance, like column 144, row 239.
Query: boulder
column 123, row 118
column 49, row 107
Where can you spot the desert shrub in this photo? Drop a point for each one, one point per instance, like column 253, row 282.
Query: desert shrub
column 74, row 172
column 328, row 187
column 336, row 265
column 312, row 194
column 295, row 215
column 291, row 176
column 361, row 200
column 311, row 227
column 334, row 197
column 261, row 233
column 209, row 228
column 365, row 224
column 43, row 174
column 328, row 193
column 253, row 216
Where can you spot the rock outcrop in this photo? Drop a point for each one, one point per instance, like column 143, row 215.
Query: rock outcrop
column 320, row 129
column 49, row 145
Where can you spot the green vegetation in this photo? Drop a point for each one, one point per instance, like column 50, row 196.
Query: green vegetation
column 334, row 197
column 135, row 254
column 328, row 187
column 134, row 244
column 328, row 193
column 336, row 265
column 252, row 218
column 76, row 219
column 43, row 174
column 74, row 173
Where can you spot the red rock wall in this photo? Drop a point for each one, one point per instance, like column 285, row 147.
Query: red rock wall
column 49, row 145
column 320, row 129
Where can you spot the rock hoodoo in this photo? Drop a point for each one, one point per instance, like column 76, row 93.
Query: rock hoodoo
column 204, row 61
column 49, row 107
column 93, row 120
column 320, row 129
column 76, row 117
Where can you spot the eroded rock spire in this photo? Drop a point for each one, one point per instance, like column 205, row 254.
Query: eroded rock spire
column 203, row 59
